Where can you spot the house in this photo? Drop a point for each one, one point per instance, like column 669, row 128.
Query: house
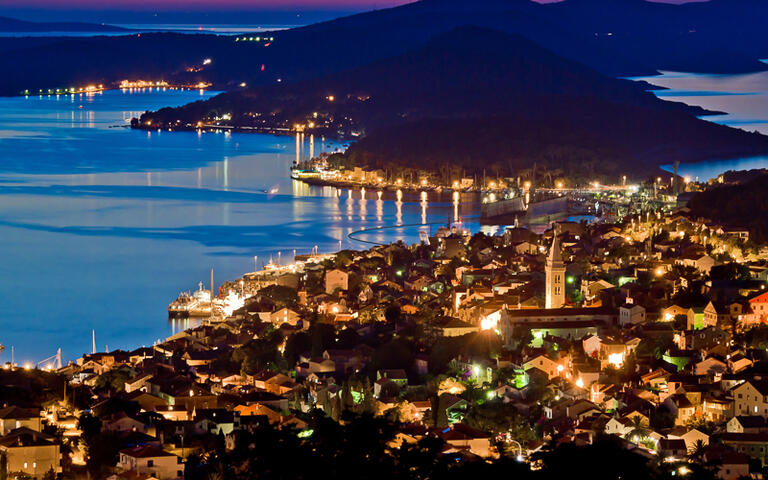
column 759, row 308
column 137, row 383
column 257, row 409
column 695, row 319
column 13, row 417
column 200, row 358
column 670, row 313
column 738, row 363
column 124, row 423
column 456, row 328
column 149, row 460
column 284, row 315
column 672, row 448
column 692, row 438
column 30, row 452
column 710, row 366
column 216, row 420
column 732, row 466
column 747, row 424
column 753, row 445
column 703, row 263
column 591, row 345
column 545, row 364
column 719, row 315
column 682, row 407
column 616, row 426
column 146, row 401
column 463, row 437
column 336, row 279
column 590, row 289
column 631, row 314
column 750, row 398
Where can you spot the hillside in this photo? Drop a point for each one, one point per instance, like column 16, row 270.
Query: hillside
column 615, row 37
column 475, row 97
column 742, row 205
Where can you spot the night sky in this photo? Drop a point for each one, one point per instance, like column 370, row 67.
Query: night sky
column 271, row 12
column 167, row 5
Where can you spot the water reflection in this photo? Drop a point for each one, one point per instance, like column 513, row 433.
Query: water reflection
column 141, row 216
column 744, row 97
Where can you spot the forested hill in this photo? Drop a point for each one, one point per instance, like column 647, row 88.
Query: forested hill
column 615, row 37
column 475, row 97
column 742, row 205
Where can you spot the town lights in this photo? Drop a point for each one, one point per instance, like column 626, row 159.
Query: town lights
column 659, row 272
column 580, row 383
column 616, row 359
column 559, row 185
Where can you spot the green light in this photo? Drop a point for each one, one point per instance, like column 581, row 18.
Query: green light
column 305, row 433
column 569, row 279
column 521, row 380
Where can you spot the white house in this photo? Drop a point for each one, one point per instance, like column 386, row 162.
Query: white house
column 151, row 460
column 631, row 314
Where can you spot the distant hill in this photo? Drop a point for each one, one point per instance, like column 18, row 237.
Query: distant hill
column 12, row 25
column 478, row 98
column 615, row 37
column 743, row 205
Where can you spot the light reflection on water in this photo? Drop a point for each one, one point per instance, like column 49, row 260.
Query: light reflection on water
column 101, row 227
column 744, row 97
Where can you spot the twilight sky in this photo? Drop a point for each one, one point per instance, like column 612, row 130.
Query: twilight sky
column 250, row 12
column 148, row 5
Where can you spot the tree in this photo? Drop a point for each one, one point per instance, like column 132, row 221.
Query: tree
column 295, row 345
column 638, row 430
column 101, row 449
column 497, row 417
column 114, row 379
column 397, row 353
column 282, row 296
column 696, row 452
column 50, row 474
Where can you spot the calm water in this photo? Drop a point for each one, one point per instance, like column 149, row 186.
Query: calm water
column 744, row 97
column 218, row 29
column 102, row 226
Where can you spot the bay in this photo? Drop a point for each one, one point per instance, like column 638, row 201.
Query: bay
column 102, row 226
column 743, row 98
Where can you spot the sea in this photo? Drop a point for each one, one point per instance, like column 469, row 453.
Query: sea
column 743, row 97
column 102, row 226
